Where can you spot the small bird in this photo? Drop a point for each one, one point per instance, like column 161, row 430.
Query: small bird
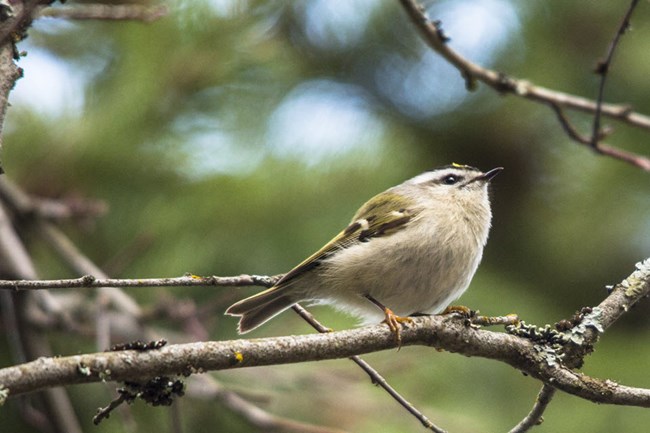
column 410, row 250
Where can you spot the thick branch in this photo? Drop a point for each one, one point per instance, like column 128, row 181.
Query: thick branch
column 441, row 332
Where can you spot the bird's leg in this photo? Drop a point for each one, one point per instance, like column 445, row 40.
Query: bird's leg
column 391, row 319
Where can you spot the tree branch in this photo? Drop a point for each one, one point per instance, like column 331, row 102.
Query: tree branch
column 440, row 332
column 9, row 73
column 374, row 375
column 534, row 417
column 433, row 35
column 105, row 12
column 18, row 19
column 602, row 148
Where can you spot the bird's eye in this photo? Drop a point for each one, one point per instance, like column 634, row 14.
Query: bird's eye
column 450, row 179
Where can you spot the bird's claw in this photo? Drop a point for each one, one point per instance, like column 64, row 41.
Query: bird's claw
column 394, row 323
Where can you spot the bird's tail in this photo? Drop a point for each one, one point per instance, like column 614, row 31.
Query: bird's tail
column 259, row 308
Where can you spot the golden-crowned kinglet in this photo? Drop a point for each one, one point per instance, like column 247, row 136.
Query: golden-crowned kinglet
column 411, row 249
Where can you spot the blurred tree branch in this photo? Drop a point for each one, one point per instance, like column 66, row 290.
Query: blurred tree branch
column 434, row 36
column 112, row 12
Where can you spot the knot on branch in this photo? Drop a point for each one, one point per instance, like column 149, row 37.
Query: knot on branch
column 506, row 84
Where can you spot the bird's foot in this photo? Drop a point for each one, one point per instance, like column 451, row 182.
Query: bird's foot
column 394, row 323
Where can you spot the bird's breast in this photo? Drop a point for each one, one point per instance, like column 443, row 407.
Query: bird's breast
column 418, row 269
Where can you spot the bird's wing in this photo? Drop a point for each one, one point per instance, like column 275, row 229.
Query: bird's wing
column 371, row 221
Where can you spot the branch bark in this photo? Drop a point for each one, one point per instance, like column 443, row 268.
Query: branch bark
column 440, row 332
column 540, row 361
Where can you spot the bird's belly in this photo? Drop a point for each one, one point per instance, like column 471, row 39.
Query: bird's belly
column 405, row 279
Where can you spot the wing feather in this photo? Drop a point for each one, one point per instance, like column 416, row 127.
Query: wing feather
column 362, row 229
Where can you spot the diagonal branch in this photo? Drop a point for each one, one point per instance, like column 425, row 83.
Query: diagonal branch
column 602, row 148
column 433, row 35
column 374, row 375
column 534, row 417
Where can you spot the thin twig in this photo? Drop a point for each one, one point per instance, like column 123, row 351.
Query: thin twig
column 433, row 36
column 534, row 417
column 89, row 281
column 375, row 377
column 603, row 69
column 104, row 412
column 602, row 148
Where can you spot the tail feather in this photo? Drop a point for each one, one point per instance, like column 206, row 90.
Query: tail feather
column 260, row 308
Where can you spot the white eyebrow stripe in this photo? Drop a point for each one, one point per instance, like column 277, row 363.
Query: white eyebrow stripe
column 424, row 177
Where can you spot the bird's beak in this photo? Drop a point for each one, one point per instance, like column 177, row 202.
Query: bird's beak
column 485, row 177
column 488, row 176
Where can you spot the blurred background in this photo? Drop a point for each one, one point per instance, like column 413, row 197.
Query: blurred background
column 239, row 136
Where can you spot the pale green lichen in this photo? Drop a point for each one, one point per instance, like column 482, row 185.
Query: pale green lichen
column 590, row 320
column 549, row 355
column 83, row 369
column 543, row 335
column 636, row 284
column 105, row 375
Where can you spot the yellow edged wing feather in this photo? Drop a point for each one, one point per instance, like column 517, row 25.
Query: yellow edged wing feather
column 371, row 221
